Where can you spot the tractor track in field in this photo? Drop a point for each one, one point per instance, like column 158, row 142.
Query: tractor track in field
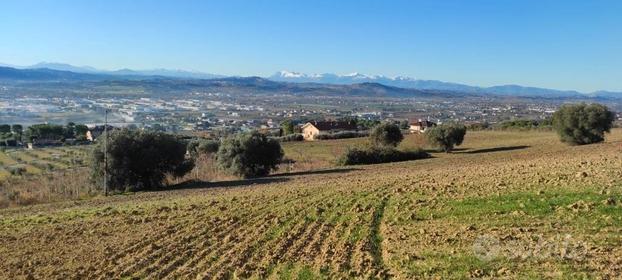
column 375, row 238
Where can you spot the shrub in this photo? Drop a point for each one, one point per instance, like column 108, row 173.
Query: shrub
column 379, row 155
column 479, row 126
column 249, row 155
column 208, row 147
column 17, row 170
column 582, row 124
column 290, row 138
column 203, row 147
column 341, row 135
column 526, row 124
column 140, row 160
column 386, row 134
column 446, row 136
column 287, row 127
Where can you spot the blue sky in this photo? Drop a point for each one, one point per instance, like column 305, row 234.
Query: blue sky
column 555, row 44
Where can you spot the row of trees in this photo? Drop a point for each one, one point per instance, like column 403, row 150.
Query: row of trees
column 141, row 159
column 57, row 132
column 16, row 133
column 289, row 126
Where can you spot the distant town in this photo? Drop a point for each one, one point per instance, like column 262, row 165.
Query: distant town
column 213, row 111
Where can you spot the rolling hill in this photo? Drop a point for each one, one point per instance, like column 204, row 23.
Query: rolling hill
column 162, row 81
column 44, row 79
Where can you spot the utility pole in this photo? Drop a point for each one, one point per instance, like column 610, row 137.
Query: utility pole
column 106, row 152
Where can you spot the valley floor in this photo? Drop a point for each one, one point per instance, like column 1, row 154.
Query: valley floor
column 507, row 204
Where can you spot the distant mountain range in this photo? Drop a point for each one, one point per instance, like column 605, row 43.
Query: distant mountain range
column 46, row 71
column 62, row 83
column 121, row 72
column 408, row 82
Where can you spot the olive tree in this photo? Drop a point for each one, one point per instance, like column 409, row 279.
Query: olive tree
column 386, row 135
column 581, row 124
column 249, row 155
column 287, row 127
column 446, row 136
column 203, row 147
column 140, row 160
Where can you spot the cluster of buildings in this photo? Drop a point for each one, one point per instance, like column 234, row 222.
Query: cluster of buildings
column 311, row 130
column 223, row 112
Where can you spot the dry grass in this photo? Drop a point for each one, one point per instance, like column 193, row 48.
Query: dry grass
column 205, row 170
column 57, row 186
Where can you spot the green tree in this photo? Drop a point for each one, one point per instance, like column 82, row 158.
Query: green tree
column 46, row 131
column 18, row 129
column 5, row 128
column 249, row 155
column 140, row 160
column 404, row 124
column 80, row 131
column 70, row 130
column 203, row 147
column 287, row 126
column 446, row 136
column 386, row 135
column 581, row 124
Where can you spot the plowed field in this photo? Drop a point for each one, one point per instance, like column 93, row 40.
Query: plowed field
column 506, row 205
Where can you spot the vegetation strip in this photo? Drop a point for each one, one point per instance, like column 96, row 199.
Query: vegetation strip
column 375, row 237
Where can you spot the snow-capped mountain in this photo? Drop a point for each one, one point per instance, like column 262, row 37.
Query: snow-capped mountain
column 409, row 82
column 353, row 78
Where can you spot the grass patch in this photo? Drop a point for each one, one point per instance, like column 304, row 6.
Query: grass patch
column 306, row 273
column 529, row 202
column 375, row 238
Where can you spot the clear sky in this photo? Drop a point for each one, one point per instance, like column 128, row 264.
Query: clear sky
column 555, row 44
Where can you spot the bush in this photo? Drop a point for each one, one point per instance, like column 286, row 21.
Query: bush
column 386, row 134
column 140, row 160
column 17, row 170
column 341, row 135
column 479, row 126
column 583, row 124
column 287, row 127
column 290, row 138
column 379, row 155
column 249, row 155
column 208, row 147
column 526, row 124
column 446, row 136
column 203, row 147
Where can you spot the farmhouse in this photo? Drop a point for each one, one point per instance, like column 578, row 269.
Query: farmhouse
column 313, row 128
column 421, row 126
